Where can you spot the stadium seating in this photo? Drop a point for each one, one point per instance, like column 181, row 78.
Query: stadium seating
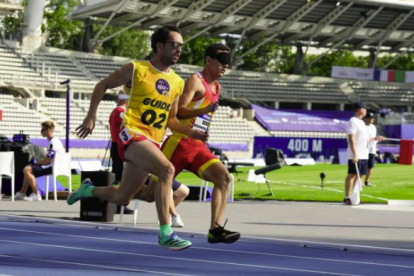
column 56, row 109
column 50, row 67
column 254, row 87
column 384, row 95
column 44, row 70
column 228, row 129
column 260, row 89
column 224, row 126
column 100, row 67
column 47, row 69
column 57, row 68
column 18, row 118
column 15, row 71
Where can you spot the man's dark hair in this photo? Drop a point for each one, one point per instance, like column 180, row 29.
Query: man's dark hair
column 358, row 106
column 161, row 35
column 213, row 49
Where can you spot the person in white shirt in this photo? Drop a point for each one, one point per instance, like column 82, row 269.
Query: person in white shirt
column 42, row 167
column 372, row 147
column 357, row 152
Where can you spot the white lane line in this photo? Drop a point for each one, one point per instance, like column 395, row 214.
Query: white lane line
column 76, row 236
column 327, row 189
column 93, row 265
column 314, row 187
column 305, row 258
column 246, row 239
column 381, row 198
column 314, row 244
column 164, row 257
column 334, row 190
column 324, row 245
column 213, row 249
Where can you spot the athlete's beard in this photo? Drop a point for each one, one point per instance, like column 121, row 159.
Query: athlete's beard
column 168, row 61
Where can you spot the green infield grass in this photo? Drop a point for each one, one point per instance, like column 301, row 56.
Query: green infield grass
column 303, row 183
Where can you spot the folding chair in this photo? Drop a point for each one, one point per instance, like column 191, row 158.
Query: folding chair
column 136, row 206
column 61, row 166
column 7, row 168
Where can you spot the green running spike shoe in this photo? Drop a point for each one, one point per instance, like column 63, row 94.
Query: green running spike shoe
column 80, row 193
column 174, row 242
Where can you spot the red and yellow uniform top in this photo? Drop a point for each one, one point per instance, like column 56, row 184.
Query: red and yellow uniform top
column 151, row 95
column 191, row 154
column 201, row 122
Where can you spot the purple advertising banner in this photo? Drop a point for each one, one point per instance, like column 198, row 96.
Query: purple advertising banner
column 230, row 147
column 293, row 146
column 74, row 143
column 400, row 131
column 302, row 120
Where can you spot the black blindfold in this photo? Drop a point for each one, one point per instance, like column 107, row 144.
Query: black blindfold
column 223, row 57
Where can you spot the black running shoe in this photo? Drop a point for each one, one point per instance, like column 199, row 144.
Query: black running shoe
column 222, row 235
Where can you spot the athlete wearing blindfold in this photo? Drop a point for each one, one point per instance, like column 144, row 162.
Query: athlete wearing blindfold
column 196, row 107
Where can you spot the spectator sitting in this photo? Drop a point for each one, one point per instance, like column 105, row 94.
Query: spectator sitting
column 42, row 167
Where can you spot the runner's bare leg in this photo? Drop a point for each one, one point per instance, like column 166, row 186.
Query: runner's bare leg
column 144, row 158
column 220, row 177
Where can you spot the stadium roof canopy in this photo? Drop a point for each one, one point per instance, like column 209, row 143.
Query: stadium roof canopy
column 350, row 24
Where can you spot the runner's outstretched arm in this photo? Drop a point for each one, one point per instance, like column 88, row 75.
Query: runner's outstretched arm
column 115, row 79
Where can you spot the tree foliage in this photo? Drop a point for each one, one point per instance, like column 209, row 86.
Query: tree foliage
column 323, row 66
column 194, row 49
column 130, row 43
column 270, row 57
column 62, row 33
column 13, row 21
column 404, row 62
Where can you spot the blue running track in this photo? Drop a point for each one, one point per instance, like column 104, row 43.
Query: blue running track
column 40, row 248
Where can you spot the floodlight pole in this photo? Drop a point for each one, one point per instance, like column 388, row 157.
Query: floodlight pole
column 67, row 83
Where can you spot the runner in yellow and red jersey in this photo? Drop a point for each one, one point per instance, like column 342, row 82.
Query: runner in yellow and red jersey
column 196, row 107
column 151, row 106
